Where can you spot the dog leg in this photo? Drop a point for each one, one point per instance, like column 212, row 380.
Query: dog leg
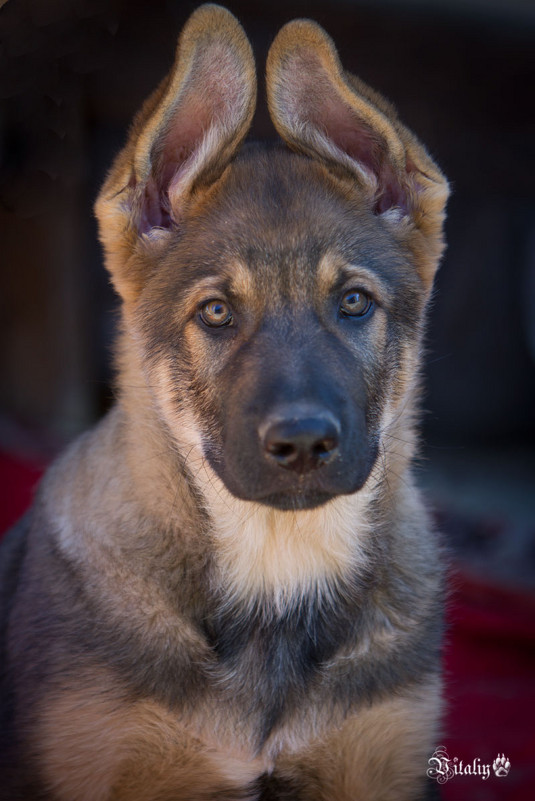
column 98, row 744
column 379, row 754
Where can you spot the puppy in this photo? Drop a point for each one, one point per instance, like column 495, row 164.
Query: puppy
column 230, row 588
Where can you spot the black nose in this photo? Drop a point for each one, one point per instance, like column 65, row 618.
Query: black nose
column 301, row 442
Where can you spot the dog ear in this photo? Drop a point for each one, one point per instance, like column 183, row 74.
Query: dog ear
column 329, row 114
column 181, row 140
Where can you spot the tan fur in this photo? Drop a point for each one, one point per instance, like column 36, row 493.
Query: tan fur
column 96, row 744
column 377, row 755
column 331, row 266
column 130, row 559
column 284, row 555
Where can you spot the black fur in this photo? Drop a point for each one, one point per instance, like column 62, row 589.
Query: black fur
column 278, row 658
column 275, row 788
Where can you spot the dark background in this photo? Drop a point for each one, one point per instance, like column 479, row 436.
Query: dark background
column 462, row 74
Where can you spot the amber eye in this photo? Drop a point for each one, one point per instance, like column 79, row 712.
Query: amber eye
column 355, row 303
column 216, row 313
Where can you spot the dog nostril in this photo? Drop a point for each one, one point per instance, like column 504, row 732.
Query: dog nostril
column 324, row 447
column 281, row 450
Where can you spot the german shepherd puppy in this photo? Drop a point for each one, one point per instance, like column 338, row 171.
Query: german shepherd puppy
column 230, row 588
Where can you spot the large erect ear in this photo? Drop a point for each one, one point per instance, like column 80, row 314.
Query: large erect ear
column 329, row 114
column 182, row 139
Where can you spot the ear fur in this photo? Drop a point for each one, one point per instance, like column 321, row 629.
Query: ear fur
column 181, row 140
column 331, row 115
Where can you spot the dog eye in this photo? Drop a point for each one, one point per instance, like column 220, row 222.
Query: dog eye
column 216, row 313
column 355, row 303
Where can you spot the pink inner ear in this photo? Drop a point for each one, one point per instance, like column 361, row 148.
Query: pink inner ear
column 214, row 96
column 358, row 140
column 168, row 158
column 152, row 213
column 315, row 99
column 393, row 194
column 179, row 143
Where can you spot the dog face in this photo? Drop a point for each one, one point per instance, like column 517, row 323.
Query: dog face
column 281, row 309
column 275, row 297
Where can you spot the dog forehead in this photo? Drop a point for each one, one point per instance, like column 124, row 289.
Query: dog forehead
column 278, row 219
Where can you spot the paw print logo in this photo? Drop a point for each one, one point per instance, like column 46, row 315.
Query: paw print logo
column 501, row 766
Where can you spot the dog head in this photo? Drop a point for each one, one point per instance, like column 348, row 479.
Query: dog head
column 274, row 296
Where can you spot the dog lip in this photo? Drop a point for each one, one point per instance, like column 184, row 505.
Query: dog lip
column 301, row 492
column 292, row 501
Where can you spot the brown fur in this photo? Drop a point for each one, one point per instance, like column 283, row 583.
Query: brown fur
column 95, row 742
column 183, row 619
column 376, row 755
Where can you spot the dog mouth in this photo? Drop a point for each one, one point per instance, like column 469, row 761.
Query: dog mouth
column 307, row 494
column 287, row 491
column 296, row 501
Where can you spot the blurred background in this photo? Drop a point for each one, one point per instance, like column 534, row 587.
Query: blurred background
column 462, row 74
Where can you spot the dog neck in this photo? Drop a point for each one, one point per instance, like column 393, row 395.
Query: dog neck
column 284, row 556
